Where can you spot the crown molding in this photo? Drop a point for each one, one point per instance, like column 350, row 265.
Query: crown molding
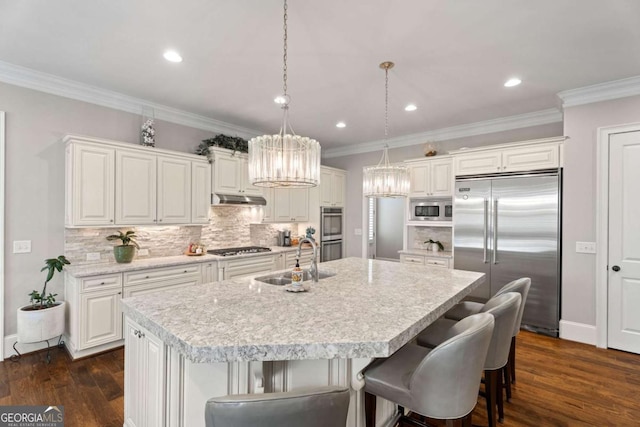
column 600, row 92
column 43, row 82
column 536, row 118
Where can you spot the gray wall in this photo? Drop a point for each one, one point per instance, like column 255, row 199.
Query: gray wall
column 354, row 164
column 579, row 201
column 35, row 123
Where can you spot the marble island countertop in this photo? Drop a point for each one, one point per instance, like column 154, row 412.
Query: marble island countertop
column 87, row 270
column 370, row 308
column 425, row 252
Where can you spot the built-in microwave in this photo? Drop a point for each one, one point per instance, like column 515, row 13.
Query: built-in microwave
column 431, row 209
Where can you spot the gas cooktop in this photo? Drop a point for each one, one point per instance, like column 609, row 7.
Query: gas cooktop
column 238, row 251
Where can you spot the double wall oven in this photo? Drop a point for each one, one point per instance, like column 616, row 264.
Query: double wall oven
column 331, row 228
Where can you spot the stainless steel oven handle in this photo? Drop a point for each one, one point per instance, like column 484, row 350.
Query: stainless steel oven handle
column 495, row 231
column 485, row 230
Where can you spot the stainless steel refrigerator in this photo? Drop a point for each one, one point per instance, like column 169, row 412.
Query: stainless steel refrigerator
column 509, row 227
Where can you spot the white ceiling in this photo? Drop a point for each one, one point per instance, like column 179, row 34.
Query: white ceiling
column 452, row 57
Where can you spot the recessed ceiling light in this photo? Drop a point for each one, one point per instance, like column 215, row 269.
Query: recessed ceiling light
column 512, row 82
column 411, row 107
column 280, row 99
column 341, row 125
column 172, row 56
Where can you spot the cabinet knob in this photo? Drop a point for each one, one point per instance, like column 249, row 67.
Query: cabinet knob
column 498, row 168
column 102, row 283
column 185, row 271
column 146, row 277
column 110, row 220
column 160, row 220
column 119, row 293
column 615, row 268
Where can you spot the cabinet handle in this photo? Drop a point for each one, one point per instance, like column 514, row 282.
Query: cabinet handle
column 110, row 220
column 141, row 335
column 160, row 220
column 185, row 271
column 119, row 293
column 102, row 283
column 146, row 277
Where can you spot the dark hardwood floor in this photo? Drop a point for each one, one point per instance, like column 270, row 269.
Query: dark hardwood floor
column 559, row 383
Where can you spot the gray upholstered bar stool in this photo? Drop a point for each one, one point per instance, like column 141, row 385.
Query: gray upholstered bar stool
column 467, row 308
column 311, row 407
column 440, row 383
column 504, row 309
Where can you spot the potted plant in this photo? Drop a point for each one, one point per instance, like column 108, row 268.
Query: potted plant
column 435, row 245
column 43, row 318
column 124, row 252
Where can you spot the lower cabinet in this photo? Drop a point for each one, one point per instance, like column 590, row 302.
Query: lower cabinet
column 145, row 378
column 305, row 258
column 160, row 279
column 103, row 318
column 247, row 266
column 425, row 260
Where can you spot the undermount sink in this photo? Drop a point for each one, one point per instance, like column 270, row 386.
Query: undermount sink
column 281, row 279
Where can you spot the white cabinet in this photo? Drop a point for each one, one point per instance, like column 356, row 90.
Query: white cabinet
column 290, row 204
column 145, row 379
column 247, row 266
column 431, row 177
column 332, row 187
column 305, row 258
column 517, row 157
column 110, row 183
column 94, row 316
column 425, row 260
column 200, row 192
column 89, row 190
column 230, row 173
column 143, row 282
column 174, row 190
column 136, row 179
column 209, row 272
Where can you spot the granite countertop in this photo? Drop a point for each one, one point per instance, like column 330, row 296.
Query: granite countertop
column 370, row 308
column 425, row 252
column 87, row 270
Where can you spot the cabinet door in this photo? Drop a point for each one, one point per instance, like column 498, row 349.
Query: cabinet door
column 209, row 272
column 299, row 208
column 411, row 259
column 174, row 190
column 100, row 318
column 339, row 182
column 247, row 187
column 477, row 163
column 326, row 188
column 155, row 375
column 135, row 188
column 441, row 181
column 200, row 192
column 268, row 211
column 282, row 205
column 419, row 176
column 134, row 376
column 90, row 186
column 227, row 174
column 543, row 156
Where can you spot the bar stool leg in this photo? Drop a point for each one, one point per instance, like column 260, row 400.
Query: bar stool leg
column 499, row 399
column 491, row 385
column 507, row 380
column 512, row 359
column 369, row 409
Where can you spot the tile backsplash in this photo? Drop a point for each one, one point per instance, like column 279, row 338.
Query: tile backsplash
column 228, row 226
column 418, row 235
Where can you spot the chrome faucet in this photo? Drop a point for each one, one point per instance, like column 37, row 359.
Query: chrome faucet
column 313, row 270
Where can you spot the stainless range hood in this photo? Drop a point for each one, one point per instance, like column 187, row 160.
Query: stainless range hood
column 236, row 199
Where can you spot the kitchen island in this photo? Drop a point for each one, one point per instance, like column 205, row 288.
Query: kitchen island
column 244, row 336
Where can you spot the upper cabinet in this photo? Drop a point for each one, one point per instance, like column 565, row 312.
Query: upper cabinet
column 332, row 186
column 231, row 173
column 431, row 177
column 112, row 183
column 516, row 157
column 286, row 205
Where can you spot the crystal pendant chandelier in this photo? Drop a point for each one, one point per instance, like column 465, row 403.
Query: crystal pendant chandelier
column 285, row 159
column 386, row 179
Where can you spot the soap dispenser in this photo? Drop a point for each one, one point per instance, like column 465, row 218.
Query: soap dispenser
column 296, row 275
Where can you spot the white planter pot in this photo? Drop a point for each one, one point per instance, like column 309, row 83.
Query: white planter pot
column 40, row 325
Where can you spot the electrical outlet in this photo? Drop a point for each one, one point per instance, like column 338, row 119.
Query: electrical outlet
column 21, row 246
column 586, row 247
column 358, row 231
column 93, row 256
column 143, row 252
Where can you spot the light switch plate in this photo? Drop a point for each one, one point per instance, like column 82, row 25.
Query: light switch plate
column 358, row 232
column 93, row 256
column 21, row 246
column 143, row 252
column 586, row 247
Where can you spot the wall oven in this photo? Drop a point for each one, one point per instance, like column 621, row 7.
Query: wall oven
column 331, row 229
column 431, row 209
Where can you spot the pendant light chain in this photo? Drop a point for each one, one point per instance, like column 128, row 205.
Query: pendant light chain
column 284, row 68
column 386, row 104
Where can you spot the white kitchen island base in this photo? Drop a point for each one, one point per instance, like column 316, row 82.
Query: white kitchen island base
column 163, row 388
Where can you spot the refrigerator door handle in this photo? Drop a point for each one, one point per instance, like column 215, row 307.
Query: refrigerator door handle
column 495, row 231
column 486, row 228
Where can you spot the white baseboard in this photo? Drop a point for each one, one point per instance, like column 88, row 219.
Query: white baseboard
column 579, row 332
column 9, row 340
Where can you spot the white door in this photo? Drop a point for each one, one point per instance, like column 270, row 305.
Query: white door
column 174, row 190
column 227, row 174
column 326, row 190
column 100, row 318
column 282, row 204
column 248, row 188
column 200, row 193
column 135, row 188
column 92, row 196
column 299, row 209
column 441, row 177
column 624, row 242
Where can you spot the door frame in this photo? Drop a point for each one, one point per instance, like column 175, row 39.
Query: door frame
column 2, row 190
column 602, row 227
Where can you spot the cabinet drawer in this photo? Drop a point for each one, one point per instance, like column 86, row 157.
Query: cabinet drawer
column 412, row 259
column 249, row 266
column 153, row 275
column 305, row 259
column 164, row 285
column 112, row 281
column 439, row 262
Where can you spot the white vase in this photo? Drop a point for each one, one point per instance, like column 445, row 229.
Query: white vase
column 40, row 325
column 434, row 247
